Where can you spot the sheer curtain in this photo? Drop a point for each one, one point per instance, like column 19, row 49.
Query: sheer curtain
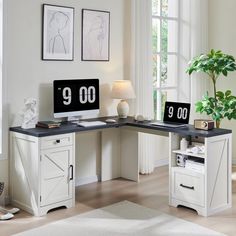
column 199, row 44
column 192, row 40
column 141, row 75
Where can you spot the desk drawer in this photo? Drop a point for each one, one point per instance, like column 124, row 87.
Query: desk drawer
column 56, row 141
column 188, row 186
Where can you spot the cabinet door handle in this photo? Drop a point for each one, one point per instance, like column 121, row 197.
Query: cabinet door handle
column 58, row 141
column 71, row 172
column 185, row 186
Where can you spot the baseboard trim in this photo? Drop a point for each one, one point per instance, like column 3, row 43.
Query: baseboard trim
column 161, row 162
column 86, row 180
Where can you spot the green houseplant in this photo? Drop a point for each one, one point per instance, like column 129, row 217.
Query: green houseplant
column 222, row 104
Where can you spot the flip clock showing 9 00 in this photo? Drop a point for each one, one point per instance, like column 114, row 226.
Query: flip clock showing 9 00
column 177, row 112
column 76, row 95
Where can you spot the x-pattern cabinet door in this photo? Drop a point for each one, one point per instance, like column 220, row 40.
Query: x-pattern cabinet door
column 56, row 175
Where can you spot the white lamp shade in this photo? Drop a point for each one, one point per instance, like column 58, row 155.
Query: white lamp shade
column 122, row 89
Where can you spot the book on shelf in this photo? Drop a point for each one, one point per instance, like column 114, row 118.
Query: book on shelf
column 48, row 124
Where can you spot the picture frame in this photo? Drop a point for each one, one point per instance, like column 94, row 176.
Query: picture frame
column 95, row 35
column 58, row 33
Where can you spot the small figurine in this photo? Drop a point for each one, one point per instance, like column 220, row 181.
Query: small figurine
column 29, row 114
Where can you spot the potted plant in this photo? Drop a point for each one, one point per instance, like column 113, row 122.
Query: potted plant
column 222, row 104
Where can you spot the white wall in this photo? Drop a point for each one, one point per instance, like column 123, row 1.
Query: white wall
column 222, row 35
column 28, row 76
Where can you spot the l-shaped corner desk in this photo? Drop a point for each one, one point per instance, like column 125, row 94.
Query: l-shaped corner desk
column 42, row 164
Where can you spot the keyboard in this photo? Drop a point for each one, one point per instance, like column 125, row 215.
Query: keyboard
column 171, row 125
column 90, row 123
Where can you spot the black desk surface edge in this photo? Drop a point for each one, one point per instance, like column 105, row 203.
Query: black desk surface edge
column 68, row 127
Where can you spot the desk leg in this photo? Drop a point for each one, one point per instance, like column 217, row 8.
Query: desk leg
column 174, row 140
column 110, row 154
column 129, row 155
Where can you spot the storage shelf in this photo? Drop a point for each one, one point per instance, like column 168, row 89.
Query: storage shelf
column 189, row 154
column 184, row 170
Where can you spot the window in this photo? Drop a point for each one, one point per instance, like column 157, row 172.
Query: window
column 165, row 27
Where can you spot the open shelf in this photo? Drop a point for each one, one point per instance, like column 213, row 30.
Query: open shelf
column 189, row 154
column 186, row 171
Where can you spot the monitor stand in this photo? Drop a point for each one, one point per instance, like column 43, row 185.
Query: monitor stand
column 73, row 119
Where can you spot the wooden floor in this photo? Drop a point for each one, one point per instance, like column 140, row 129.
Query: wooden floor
column 152, row 192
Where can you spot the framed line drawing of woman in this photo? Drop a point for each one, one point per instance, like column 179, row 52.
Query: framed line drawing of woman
column 58, row 33
column 95, row 35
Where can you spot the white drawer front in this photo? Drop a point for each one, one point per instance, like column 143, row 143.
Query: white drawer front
column 56, row 141
column 188, row 188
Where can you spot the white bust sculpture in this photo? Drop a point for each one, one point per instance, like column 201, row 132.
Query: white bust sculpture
column 29, row 114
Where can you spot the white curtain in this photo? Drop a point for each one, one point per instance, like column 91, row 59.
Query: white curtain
column 193, row 40
column 141, row 75
column 199, row 44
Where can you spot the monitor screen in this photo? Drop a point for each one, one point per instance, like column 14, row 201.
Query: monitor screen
column 177, row 112
column 75, row 97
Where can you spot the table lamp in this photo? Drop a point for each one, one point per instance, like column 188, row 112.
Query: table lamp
column 122, row 89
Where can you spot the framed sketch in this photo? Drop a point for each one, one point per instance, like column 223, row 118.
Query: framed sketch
column 58, row 33
column 95, row 35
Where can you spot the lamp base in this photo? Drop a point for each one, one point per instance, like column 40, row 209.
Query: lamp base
column 123, row 109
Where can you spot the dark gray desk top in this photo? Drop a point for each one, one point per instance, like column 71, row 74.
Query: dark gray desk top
column 70, row 128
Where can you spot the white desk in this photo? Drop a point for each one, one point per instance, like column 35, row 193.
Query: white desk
column 42, row 165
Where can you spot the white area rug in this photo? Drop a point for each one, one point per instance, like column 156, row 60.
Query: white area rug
column 123, row 218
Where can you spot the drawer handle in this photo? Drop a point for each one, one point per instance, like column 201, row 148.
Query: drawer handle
column 58, row 141
column 185, row 186
column 71, row 172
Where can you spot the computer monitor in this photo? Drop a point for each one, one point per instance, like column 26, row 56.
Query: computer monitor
column 74, row 98
column 177, row 112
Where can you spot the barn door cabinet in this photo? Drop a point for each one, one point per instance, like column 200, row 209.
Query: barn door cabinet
column 208, row 191
column 42, row 172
